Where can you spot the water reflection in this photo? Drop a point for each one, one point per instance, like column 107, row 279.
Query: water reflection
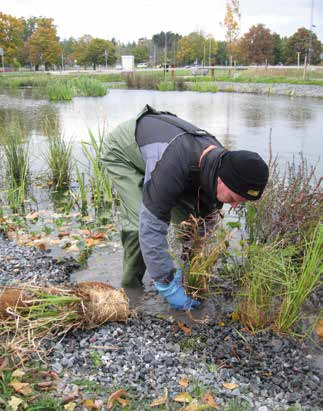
column 239, row 121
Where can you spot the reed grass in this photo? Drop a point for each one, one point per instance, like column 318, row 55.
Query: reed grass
column 204, row 244
column 30, row 314
column 58, row 158
column 88, row 86
column 15, row 150
column 98, row 176
column 60, row 91
column 82, row 189
column 276, row 282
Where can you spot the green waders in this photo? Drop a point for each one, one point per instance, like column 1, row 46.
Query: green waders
column 126, row 169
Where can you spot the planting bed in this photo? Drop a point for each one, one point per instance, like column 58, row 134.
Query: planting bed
column 151, row 354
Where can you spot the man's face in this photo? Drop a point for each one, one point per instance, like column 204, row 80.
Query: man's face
column 225, row 195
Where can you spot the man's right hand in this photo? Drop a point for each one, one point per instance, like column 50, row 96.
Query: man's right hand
column 175, row 293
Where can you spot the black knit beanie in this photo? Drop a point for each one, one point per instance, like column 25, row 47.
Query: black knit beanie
column 245, row 173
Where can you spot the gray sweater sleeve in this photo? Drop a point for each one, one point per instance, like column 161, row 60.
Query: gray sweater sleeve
column 152, row 228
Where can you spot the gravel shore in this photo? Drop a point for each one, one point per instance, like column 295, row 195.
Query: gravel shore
column 290, row 90
column 149, row 354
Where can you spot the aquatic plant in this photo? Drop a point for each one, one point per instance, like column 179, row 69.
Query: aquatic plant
column 82, row 190
column 276, row 281
column 88, row 86
column 60, row 90
column 205, row 242
column 98, row 176
column 16, row 159
column 58, row 158
column 29, row 313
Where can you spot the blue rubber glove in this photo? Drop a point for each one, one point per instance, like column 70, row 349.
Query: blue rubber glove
column 175, row 294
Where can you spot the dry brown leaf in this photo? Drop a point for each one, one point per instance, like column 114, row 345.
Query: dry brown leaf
column 41, row 246
column 21, row 387
column 86, row 232
column 158, row 401
column 90, row 242
column 114, row 396
column 32, row 216
column 230, row 385
column 183, row 327
column 62, row 234
column 184, row 382
column 183, row 397
column 4, row 364
column 123, row 402
column 195, row 406
column 209, row 400
column 98, row 236
column 319, row 328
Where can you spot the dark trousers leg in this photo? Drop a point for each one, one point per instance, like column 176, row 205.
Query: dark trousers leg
column 133, row 264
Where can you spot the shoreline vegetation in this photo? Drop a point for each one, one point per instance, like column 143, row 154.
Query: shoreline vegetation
column 63, row 86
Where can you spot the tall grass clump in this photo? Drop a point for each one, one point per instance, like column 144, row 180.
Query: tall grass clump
column 277, row 281
column 205, row 242
column 204, row 87
column 16, row 164
column 142, row 82
column 291, row 205
column 60, row 90
column 82, row 198
column 282, row 255
column 88, row 86
column 58, row 158
column 98, row 176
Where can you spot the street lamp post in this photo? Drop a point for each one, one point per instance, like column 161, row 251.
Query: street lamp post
column 2, row 58
column 106, row 53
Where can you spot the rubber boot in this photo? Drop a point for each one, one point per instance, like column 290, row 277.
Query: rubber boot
column 133, row 264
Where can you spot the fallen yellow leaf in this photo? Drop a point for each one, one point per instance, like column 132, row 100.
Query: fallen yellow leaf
column 90, row 242
column 183, row 397
column 195, row 406
column 18, row 373
column 230, row 385
column 183, row 327
column 158, row 401
column 184, row 382
column 93, row 404
column 70, row 406
column 14, row 402
column 210, row 401
column 221, row 324
column 21, row 387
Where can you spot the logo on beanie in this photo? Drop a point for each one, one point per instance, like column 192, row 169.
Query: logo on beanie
column 253, row 193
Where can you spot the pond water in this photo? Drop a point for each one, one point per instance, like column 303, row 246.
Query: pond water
column 239, row 121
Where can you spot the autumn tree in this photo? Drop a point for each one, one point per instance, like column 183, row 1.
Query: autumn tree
column 257, row 46
column 195, row 47
column 11, row 30
column 299, row 42
column 232, row 25
column 44, row 44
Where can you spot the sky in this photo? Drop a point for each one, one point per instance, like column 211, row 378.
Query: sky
column 129, row 20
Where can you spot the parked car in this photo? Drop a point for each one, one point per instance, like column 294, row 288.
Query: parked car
column 199, row 71
column 142, row 65
column 118, row 67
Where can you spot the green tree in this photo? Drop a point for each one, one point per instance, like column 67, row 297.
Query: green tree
column 300, row 42
column 44, row 44
column 11, row 30
column 141, row 50
column 165, row 42
column 257, row 46
column 68, row 47
column 195, row 47
column 221, row 56
column 91, row 51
